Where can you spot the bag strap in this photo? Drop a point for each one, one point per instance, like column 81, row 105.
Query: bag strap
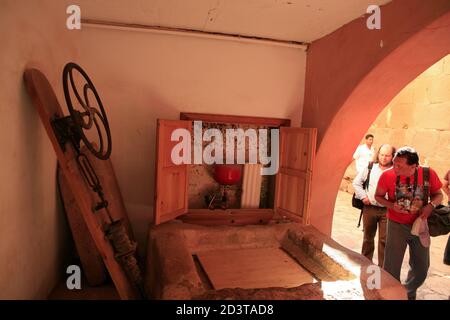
column 366, row 183
column 416, row 174
column 426, row 184
column 365, row 187
column 416, row 181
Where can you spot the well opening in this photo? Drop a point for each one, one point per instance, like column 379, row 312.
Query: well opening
column 277, row 261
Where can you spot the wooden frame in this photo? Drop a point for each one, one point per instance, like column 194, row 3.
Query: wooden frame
column 297, row 148
column 222, row 118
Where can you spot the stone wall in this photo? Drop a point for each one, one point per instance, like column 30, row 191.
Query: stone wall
column 201, row 182
column 419, row 116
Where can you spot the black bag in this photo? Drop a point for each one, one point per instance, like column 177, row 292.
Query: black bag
column 439, row 219
column 358, row 203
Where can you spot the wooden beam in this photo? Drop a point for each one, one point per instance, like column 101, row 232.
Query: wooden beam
column 222, row 118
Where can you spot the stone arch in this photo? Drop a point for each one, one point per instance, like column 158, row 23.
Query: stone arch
column 371, row 77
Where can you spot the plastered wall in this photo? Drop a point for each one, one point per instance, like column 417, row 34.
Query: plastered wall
column 144, row 76
column 33, row 233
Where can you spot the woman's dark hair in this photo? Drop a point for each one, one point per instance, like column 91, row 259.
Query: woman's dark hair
column 409, row 154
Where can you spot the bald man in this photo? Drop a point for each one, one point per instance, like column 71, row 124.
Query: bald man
column 374, row 214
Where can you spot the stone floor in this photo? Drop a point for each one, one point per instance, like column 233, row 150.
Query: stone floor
column 437, row 285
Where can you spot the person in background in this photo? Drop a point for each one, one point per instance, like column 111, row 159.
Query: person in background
column 404, row 186
column 364, row 153
column 446, row 189
column 374, row 214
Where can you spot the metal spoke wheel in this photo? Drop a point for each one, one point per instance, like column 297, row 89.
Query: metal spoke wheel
column 84, row 116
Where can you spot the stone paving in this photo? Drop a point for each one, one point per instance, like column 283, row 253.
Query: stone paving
column 345, row 220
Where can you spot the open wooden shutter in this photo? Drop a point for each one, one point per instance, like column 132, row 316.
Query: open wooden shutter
column 293, row 181
column 171, row 197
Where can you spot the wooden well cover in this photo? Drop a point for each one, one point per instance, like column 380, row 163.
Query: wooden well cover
column 253, row 268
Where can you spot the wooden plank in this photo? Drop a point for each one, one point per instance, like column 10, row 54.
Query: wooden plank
column 222, row 118
column 93, row 267
column 290, row 215
column 228, row 216
column 253, row 268
column 294, row 172
column 292, row 200
column 107, row 177
column 293, row 181
column 46, row 103
column 230, row 211
column 171, row 190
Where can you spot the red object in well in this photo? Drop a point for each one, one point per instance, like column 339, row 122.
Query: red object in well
column 227, row 174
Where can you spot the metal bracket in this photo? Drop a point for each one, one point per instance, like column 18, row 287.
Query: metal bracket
column 63, row 127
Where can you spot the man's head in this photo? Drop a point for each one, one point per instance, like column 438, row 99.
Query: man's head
column 385, row 155
column 369, row 139
column 405, row 161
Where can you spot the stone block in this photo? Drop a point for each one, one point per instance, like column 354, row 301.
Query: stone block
column 174, row 275
column 435, row 70
column 405, row 95
column 420, row 87
column 381, row 120
column 447, row 64
column 350, row 172
column 426, row 143
column 350, row 188
column 443, row 149
column 401, row 116
column 382, row 135
column 433, row 116
column 397, row 137
column 344, row 184
column 409, row 137
column 439, row 91
column 440, row 166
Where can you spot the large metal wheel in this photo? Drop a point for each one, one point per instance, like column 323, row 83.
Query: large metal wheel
column 84, row 116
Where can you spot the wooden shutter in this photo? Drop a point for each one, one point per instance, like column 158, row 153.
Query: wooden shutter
column 171, row 195
column 293, row 181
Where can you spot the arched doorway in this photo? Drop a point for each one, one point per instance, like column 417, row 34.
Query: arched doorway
column 352, row 75
column 419, row 116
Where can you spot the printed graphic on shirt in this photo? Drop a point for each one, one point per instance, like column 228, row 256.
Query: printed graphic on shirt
column 408, row 199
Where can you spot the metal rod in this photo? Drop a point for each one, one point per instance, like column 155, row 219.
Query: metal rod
column 193, row 33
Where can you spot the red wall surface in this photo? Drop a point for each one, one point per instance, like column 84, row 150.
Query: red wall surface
column 353, row 73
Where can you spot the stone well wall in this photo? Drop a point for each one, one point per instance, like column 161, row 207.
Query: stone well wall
column 418, row 116
column 338, row 272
